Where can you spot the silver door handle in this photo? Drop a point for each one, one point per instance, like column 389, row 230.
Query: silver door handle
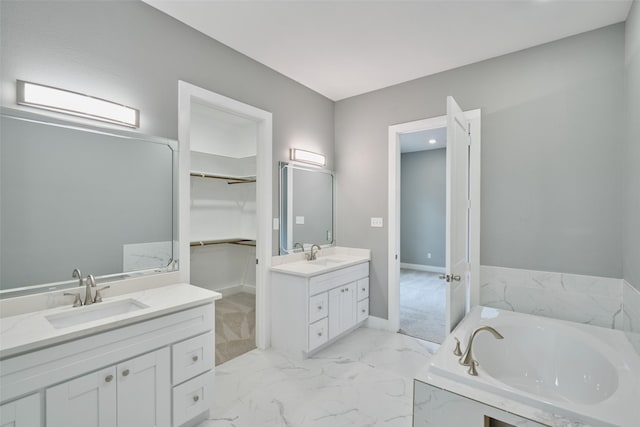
column 449, row 278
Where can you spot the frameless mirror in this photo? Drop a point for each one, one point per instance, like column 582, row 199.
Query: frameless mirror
column 102, row 201
column 306, row 207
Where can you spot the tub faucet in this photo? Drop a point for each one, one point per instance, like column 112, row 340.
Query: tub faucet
column 91, row 283
column 467, row 357
column 77, row 275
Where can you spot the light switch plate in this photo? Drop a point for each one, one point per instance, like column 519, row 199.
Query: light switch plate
column 299, row 220
column 376, row 222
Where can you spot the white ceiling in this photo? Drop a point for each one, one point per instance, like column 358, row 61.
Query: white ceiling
column 344, row 48
column 419, row 141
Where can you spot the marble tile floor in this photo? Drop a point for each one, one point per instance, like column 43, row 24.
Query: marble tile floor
column 422, row 305
column 363, row 380
column 235, row 326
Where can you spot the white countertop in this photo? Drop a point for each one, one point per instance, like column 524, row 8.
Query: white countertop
column 339, row 257
column 30, row 331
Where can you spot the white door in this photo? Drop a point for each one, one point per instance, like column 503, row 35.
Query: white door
column 24, row 412
column 457, row 222
column 88, row 401
column 144, row 391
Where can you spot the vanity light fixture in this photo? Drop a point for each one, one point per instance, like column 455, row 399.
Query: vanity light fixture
column 77, row 104
column 309, row 157
column 432, row 141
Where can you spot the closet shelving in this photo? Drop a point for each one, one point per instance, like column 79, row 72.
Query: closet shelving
column 229, row 179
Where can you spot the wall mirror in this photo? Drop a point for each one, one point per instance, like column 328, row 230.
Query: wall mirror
column 75, row 196
column 306, row 207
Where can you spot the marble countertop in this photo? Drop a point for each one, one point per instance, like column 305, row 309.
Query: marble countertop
column 328, row 259
column 31, row 331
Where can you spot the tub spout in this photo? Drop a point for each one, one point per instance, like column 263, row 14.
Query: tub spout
column 467, row 357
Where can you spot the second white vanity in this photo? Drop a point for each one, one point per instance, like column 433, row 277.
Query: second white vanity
column 315, row 302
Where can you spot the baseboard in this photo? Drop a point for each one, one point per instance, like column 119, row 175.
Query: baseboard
column 379, row 323
column 421, row 267
column 236, row 289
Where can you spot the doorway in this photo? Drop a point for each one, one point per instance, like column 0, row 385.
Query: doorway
column 423, row 233
column 225, row 192
column 466, row 289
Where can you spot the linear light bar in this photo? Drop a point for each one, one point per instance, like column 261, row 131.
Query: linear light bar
column 307, row 157
column 77, row 104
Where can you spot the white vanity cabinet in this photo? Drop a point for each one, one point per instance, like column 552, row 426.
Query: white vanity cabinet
column 133, row 393
column 23, row 412
column 154, row 373
column 311, row 311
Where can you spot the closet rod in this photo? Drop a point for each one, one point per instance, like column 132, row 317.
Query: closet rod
column 229, row 179
column 242, row 242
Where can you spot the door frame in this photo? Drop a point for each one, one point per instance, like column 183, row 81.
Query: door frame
column 474, row 116
column 264, row 190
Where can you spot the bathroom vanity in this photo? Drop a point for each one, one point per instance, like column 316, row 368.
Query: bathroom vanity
column 144, row 358
column 316, row 302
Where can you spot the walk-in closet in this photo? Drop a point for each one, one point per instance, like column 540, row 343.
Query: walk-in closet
column 223, row 222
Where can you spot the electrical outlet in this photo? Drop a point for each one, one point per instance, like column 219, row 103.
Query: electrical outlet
column 376, row 222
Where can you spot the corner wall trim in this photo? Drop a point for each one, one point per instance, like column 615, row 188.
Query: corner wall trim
column 379, row 323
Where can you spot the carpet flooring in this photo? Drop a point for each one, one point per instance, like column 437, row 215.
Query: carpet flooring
column 422, row 305
column 235, row 326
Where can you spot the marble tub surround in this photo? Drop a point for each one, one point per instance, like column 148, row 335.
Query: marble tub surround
column 31, row 331
column 607, row 396
column 298, row 265
column 364, row 379
column 631, row 320
column 583, row 299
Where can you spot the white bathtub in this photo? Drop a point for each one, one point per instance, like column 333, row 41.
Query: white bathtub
column 587, row 374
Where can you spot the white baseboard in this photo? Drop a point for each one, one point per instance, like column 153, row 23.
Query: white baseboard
column 374, row 322
column 236, row 289
column 421, row 267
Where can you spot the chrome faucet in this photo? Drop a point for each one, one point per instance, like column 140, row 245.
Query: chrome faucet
column 296, row 245
column 467, row 357
column 77, row 275
column 313, row 255
column 91, row 283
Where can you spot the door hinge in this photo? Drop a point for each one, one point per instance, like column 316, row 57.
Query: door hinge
column 256, row 261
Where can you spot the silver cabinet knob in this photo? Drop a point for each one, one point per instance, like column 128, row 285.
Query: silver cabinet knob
column 108, row 378
column 320, row 333
column 125, row 373
column 195, row 358
column 364, row 289
column 319, row 307
column 196, row 398
column 364, row 311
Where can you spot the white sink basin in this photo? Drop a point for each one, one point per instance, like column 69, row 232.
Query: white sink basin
column 327, row 262
column 93, row 312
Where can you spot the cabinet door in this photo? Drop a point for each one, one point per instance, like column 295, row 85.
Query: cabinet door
column 88, row 401
column 24, row 412
column 144, row 391
column 342, row 309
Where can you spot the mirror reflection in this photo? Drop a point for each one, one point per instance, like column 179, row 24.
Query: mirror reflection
column 306, row 207
column 78, row 197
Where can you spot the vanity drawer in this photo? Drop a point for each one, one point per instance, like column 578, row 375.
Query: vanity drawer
column 363, row 310
column 363, row 288
column 192, row 398
column 192, row 357
column 318, row 307
column 318, row 333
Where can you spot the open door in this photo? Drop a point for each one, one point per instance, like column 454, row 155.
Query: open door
column 457, row 221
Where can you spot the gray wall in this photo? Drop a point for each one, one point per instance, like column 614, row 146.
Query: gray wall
column 423, row 207
column 632, row 177
column 552, row 143
column 133, row 54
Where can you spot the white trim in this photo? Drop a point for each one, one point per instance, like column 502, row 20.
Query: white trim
column 379, row 323
column 264, row 191
column 394, row 207
column 422, row 267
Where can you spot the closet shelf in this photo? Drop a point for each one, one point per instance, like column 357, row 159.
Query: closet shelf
column 242, row 242
column 229, row 179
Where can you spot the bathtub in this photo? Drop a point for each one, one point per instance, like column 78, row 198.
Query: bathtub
column 586, row 374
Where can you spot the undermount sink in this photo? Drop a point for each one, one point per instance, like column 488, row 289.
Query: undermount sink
column 93, row 312
column 327, row 261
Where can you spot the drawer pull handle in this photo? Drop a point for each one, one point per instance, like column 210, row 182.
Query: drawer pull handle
column 320, row 333
column 195, row 358
column 108, row 378
column 319, row 307
column 364, row 289
column 196, row 398
column 125, row 373
column 364, row 311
